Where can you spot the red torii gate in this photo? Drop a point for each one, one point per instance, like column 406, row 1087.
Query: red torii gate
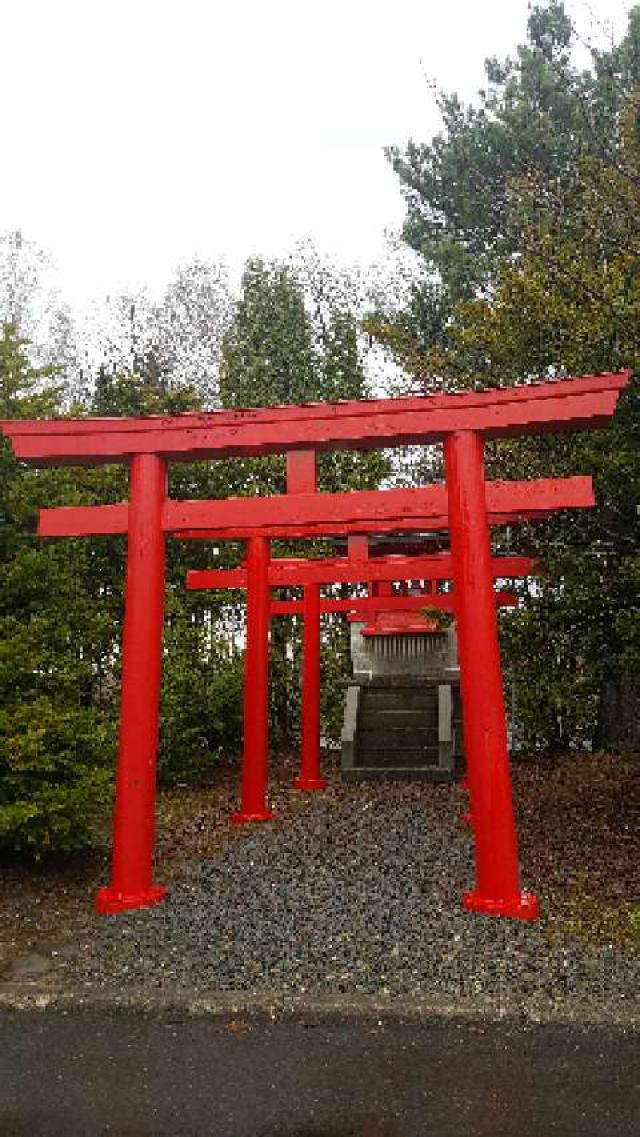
column 251, row 519
column 466, row 506
column 310, row 574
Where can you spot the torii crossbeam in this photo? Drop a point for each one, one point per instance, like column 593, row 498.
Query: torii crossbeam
column 467, row 507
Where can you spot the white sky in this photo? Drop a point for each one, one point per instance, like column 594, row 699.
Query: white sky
column 138, row 133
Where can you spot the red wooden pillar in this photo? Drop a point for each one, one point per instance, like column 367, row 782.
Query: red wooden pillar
column 496, row 851
column 134, row 811
column 253, row 802
column 301, row 478
column 310, row 777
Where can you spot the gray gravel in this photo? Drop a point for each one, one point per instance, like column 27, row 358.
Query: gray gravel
column 357, row 893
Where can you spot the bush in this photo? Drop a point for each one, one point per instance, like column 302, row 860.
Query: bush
column 55, row 782
column 201, row 704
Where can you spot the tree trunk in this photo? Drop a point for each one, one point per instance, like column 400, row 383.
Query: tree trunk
column 619, row 714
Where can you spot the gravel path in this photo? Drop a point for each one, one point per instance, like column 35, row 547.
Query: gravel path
column 358, row 892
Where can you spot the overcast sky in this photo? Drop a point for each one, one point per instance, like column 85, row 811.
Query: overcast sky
column 138, row 133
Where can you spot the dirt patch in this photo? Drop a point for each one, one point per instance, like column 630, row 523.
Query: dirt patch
column 578, row 823
column 44, row 906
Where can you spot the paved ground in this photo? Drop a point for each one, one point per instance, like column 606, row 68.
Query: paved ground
column 85, row 1074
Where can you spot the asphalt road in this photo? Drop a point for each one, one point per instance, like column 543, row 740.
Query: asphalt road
column 88, row 1073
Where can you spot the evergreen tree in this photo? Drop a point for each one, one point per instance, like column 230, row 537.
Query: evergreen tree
column 539, row 114
column 201, row 697
column 53, row 737
column 293, row 339
column 525, row 209
column 570, row 304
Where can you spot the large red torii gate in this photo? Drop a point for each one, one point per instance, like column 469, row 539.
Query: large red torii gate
column 466, row 506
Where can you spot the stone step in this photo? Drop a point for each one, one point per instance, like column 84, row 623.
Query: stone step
column 411, row 698
column 388, row 718
column 404, row 759
column 397, row 739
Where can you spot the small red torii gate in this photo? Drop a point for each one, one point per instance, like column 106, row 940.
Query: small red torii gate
column 466, row 505
column 310, row 574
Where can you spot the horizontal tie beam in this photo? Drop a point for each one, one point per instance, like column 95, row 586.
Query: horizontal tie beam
column 84, row 520
column 586, row 402
column 293, row 573
column 306, row 515
column 371, row 604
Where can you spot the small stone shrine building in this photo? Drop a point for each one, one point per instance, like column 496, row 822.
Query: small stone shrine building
column 402, row 712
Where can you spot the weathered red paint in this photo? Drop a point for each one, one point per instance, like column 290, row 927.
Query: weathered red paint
column 320, row 514
column 311, row 514
column 312, row 605
column 134, row 812
column 310, row 777
column 567, row 404
column 301, row 471
column 253, row 803
column 294, row 572
column 84, row 520
column 389, row 622
column 360, row 606
column 301, row 478
column 497, row 888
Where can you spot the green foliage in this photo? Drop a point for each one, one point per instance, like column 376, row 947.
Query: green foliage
column 54, row 779
column 539, row 115
column 558, row 649
column 570, row 303
column 294, row 340
column 537, row 112
column 201, row 706
column 527, row 208
column 267, row 355
column 54, row 766
column 443, row 620
column 25, row 391
column 201, row 697
column 61, row 606
column 61, row 602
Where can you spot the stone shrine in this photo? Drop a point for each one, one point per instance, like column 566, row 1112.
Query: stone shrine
column 402, row 712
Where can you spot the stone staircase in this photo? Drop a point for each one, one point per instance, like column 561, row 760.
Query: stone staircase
column 396, row 731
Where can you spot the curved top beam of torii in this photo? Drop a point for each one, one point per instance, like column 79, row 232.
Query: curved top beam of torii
column 558, row 405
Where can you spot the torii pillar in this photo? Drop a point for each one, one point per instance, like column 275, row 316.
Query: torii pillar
column 301, row 478
column 255, row 757
column 135, row 798
column 497, row 888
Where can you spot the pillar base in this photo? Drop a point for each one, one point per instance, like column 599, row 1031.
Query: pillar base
column 302, row 783
column 108, row 900
column 242, row 817
column 522, row 907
